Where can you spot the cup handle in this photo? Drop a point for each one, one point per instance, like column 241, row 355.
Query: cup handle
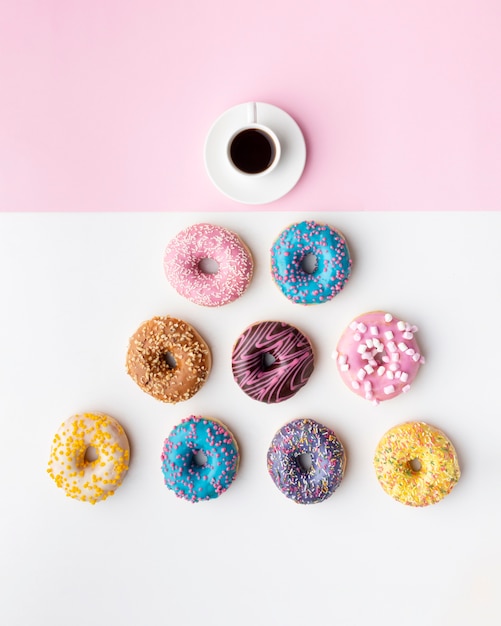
column 252, row 113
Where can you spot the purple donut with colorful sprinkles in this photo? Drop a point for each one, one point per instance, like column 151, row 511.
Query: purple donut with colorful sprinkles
column 306, row 461
column 330, row 268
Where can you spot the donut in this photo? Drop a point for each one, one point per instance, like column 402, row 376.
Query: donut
column 292, row 443
column 181, row 467
column 168, row 359
column 416, row 464
column 271, row 361
column 70, row 463
column 184, row 270
column 378, row 357
column 332, row 262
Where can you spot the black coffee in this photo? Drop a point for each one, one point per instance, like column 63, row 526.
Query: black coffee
column 252, row 151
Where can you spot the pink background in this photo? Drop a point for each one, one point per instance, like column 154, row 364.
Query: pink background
column 105, row 105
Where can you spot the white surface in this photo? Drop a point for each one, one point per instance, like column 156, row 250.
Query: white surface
column 255, row 189
column 74, row 288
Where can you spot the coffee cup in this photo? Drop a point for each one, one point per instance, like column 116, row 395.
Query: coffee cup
column 254, row 149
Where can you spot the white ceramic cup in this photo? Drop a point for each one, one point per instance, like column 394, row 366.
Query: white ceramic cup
column 254, row 149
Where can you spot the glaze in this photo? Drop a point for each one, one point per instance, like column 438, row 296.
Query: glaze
column 292, row 365
column 69, row 466
column 378, row 356
column 333, row 262
column 436, row 472
column 168, row 359
column 194, row 244
column 297, row 438
column 183, row 475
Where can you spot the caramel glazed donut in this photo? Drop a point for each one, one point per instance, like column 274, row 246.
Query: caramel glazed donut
column 71, row 469
column 168, row 359
column 416, row 464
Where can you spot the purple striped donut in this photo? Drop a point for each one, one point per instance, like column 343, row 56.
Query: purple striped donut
column 271, row 361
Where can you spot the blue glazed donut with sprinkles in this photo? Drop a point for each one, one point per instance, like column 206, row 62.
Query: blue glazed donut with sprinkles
column 310, row 262
column 199, row 459
column 306, row 461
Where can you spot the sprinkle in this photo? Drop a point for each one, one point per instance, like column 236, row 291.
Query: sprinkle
column 388, row 318
column 374, row 330
column 389, row 334
column 401, row 325
column 389, row 389
column 381, row 370
column 402, row 346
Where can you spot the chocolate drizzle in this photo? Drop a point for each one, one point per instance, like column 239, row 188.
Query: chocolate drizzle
column 281, row 379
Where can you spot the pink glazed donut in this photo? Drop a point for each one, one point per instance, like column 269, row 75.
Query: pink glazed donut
column 378, row 356
column 201, row 242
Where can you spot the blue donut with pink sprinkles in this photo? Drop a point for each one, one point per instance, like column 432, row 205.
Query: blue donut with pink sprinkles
column 310, row 241
column 306, row 461
column 199, row 459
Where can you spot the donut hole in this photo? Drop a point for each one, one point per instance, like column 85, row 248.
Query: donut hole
column 199, row 458
column 208, row 266
column 309, row 263
column 304, row 462
column 267, row 360
column 379, row 357
column 415, row 465
column 169, row 360
column 91, row 455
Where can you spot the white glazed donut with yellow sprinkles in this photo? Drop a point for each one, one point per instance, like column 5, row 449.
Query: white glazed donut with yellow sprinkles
column 416, row 464
column 71, row 465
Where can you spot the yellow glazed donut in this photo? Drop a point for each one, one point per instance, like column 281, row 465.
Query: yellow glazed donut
column 416, row 464
column 70, row 463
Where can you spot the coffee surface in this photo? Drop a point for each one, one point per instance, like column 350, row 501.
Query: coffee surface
column 252, row 151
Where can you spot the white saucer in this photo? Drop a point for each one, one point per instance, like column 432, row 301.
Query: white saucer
column 261, row 189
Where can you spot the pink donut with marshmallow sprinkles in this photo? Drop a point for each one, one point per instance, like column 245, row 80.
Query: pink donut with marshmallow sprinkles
column 378, row 356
